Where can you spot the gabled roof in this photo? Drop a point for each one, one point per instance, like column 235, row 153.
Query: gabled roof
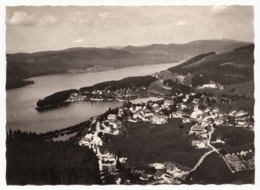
column 144, row 175
column 168, row 101
column 158, row 173
column 196, row 128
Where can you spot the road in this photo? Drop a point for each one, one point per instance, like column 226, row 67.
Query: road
column 180, row 175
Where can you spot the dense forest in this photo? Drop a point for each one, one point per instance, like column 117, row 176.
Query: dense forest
column 32, row 160
column 124, row 83
column 55, row 99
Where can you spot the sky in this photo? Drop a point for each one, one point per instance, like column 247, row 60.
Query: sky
column 41, row 28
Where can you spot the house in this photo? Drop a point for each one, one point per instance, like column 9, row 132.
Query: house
column 155, row 106
column 183, row 106
column 184, row 99
column 210, row 85
column 168, row 102
column 159, row 119
column 119, row 124
column 120, row 112
column 118, row 181
column 157, row 165
column 170, row 166
column 196, row 107
column 196, row 128
column 137, row 108
column 106, row 128
column 166, row 87
column 176, row 114
column 186, row 120
column 158, row 174
column 111, row 117
column 241, row 113
column 132, row 120
column 198, row 144
column 196, row 114
column 148, row 114
column 195, row 100
column 215, row 109
column 144, row 177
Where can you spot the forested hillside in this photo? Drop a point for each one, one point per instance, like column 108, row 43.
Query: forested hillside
column 32, row 160
column 124, row 83
column 232, row 67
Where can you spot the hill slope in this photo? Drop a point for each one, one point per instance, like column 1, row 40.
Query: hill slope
column 24, row 65
column 231, row 67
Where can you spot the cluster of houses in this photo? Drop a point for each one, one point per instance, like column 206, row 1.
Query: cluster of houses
column 129, row 94
column 175, row 77
column 242, row 119
column 121, row 94
column 184, row 79
column 164, row 171
column 211, row 85
column 150, row 112
column 240, row 161
column 94, row 140
column 191, row 107
column 76, row 97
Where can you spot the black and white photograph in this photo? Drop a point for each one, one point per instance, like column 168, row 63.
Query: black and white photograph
column 129, row 94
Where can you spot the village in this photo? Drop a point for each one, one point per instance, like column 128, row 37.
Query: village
column 199, row 110
column 106, row 94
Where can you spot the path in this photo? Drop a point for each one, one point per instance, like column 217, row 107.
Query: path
column 180, row 175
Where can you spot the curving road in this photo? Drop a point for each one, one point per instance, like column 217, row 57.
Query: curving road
column 180, row 175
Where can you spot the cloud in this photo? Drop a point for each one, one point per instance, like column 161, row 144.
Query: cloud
column 103, row 15
column 78, row 41
column 23, row 19
column 47, row 20
column 235, row 9
column 216, row 9
column 182, row 23
column 78, row 17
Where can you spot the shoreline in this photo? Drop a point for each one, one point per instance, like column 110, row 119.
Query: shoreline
column 95, row 71
column 20, row 85
column 65, row 103
column 115, row 68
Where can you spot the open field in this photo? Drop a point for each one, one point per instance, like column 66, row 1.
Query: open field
column 236, row 89
column 240, row 148
column 207, row 90
column 156, row 88
column 143, row 145
column 233, row 136
column 215, row 171
column 241, row 104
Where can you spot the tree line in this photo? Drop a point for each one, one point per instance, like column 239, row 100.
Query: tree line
column 55, row 99
column 128, row 82
column 32, row 160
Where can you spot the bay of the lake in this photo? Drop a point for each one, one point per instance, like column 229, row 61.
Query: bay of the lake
column 21, row 102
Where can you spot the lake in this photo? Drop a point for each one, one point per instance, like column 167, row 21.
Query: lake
column 21, row 102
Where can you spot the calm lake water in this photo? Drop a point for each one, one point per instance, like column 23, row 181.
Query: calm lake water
column 20, row 102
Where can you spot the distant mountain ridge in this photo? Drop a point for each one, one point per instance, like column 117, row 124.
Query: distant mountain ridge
column 25, row 65
column 188, row 50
